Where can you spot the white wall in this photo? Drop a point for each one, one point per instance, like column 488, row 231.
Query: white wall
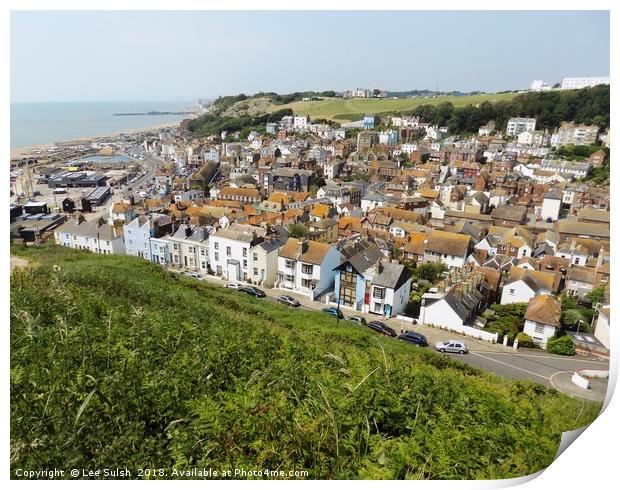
column 521, row 293
column 539, row 338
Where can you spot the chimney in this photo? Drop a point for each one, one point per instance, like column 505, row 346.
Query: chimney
column 188, row 231
column 80, row 218
column 100, row 222
column 302, row 246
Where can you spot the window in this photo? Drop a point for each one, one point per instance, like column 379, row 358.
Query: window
column 176, row 246
column 255, row 256
column 348, row 296
column 512, row 292
column 255, row 271
column 306, row 283
column 539, row 328
column 307, row 268
column 192, row 250
column 216, row 245
column 245, row 263
column 203, row 264
column 228, row 251
column 576, row 260
column 245, row 252
column 378, row 293
column 217, row 257
column 377, row 306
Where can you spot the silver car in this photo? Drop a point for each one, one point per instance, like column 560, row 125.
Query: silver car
column 452, row 346
column 288, row 300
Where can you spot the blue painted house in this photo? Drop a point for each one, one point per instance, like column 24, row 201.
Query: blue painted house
column 365, row 282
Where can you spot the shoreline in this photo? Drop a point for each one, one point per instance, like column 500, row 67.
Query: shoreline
column 41, row 149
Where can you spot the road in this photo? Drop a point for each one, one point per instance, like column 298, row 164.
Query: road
column 523, row 364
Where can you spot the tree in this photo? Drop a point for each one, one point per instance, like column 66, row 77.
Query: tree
column 597, row 295
column 561, row 345
column 430, row 271
column 570, row 318
column 297, row 230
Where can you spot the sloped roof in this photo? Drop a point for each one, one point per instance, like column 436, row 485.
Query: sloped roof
column 314, row 254
column 445, row 242
column 544, row 309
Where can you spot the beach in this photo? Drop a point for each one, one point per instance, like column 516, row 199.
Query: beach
column 41, row 149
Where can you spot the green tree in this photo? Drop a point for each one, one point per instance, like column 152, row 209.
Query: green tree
column 297, row 230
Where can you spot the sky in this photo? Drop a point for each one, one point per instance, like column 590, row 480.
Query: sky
column 94, row 56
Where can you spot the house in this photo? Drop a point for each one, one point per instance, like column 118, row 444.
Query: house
column 188, row 247
column 121, row 213
column 542, row 318
column 366, row 283
column 518, row 125
column 551, row 205
column 138, row 234
column 456, row 303
column 96, row 236
column 573, row 229
column 229, row 250
column 307, row 267
column 450, row 248
column 523, row 284
column 580, row 280
column 509, row 215
column 576, row 253
column 263, row 266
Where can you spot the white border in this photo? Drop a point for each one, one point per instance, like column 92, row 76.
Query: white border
column 590, row 462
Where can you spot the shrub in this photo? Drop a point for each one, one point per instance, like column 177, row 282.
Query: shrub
column 561, row 345
column 525, row 340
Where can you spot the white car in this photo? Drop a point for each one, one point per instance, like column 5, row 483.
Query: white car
column 452, row 346
column 233, row 285
column 195, row 275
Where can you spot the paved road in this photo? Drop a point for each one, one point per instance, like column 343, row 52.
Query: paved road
column 523, row 364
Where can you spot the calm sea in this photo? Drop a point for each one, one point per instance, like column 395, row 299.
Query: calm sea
column 34, row 123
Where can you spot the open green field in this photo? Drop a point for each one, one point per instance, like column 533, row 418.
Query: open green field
column 116, row 362
column 349, row 109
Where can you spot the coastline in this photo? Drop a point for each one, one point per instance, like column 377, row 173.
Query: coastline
column 40, row 149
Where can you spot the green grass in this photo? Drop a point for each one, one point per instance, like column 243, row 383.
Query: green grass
column 339, row 109
column 117, row 362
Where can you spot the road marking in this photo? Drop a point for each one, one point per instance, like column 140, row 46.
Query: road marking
column 555, row 386
column 510, row 365
column 545, row 357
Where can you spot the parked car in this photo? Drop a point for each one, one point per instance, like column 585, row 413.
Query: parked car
column 195, row 275
column 233, row 285
column 452, row 346
column 253, row 291
column 382, row 328
column 414, row 338
column 333, row 312
column 287, row 300
column 357, row 319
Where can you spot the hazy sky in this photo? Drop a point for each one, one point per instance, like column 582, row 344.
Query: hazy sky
column 70, row 56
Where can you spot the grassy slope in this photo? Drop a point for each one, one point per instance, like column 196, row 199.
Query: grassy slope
column 115, row 361
column 328, row 108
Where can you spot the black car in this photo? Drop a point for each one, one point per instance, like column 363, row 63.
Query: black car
column 414, row 338
column 382, row 328
column 251, row 290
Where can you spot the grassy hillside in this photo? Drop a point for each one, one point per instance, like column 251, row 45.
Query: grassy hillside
column 351, row 109
column 116, row 362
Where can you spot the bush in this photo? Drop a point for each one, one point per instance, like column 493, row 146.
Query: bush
column 525, row 340
column 561, row 345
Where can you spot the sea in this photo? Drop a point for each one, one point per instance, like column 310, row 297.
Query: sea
column 37, row 123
